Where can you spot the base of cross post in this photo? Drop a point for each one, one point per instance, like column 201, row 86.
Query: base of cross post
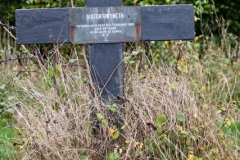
column 107, row 72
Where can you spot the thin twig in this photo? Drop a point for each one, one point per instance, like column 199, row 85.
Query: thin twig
column 72, row 4
column 7, row 26
column 22, row 71
column 111, row 76
column 10, row 33
column 27, row 71
column 18, row 58
column 39, row 57
column 128, row 150
column 96, row 95
column 35, row 57
column 73, row 65
column 7, row 29
column 60, row 3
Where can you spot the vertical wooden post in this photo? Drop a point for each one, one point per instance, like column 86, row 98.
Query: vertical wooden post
column 106, row 62
column 107, row 69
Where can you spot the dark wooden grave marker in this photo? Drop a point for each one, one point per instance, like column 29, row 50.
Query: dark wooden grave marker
column 105, row 25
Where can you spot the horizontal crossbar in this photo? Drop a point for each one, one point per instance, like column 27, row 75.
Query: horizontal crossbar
column 156, row 23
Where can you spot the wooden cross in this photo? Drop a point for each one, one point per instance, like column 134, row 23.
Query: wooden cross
column 105, row 25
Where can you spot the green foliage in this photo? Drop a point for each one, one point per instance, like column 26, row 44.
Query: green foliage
column 102, row 119
column 181, row 118
column 7, row 139
column 160, row 120
column 232, row 130
column 114, row 155
column 113, row 107
column 8, row 134
column 5, row 99
column 84, row 158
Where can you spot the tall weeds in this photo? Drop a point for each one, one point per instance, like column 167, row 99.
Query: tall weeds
column 163, row 118
column 181, row 103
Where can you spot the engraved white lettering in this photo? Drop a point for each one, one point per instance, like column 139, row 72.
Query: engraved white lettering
column 105, row 16
column 105, row 29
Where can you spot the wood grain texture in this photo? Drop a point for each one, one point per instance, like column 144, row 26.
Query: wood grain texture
column 167, row 22
column 107, row 68
column 104, row 58
column 35, row 26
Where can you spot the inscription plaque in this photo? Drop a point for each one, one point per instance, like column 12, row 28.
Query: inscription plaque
column 104, row 24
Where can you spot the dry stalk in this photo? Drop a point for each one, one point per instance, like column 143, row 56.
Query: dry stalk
column 92, row 86
column 18, row 58
column 10, row 33
column 111, row 76
column 72, row 4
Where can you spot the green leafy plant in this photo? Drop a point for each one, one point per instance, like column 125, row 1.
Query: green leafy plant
column 102, row 119
column 114, row 155
column 113, row 107
column 8, row 133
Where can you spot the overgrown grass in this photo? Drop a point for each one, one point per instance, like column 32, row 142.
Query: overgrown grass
column 161, row 120
column 182, row 101
column 8, row 140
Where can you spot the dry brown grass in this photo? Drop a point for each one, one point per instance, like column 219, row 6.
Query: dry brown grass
column 61, row 127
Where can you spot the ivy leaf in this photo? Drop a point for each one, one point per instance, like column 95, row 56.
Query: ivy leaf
column 172, row 86
column 9, row 98
column 84, row 158
column 85, row 80
column 161, row 119
column 193, row 137
column 115, row 135
column 71, row 61
column 113, row 155
column 127, row 59
column 181, row 118
column 9, row 110
column 114, row 110
column 100, row 116
column 135, row 53
column 124, row 126
column 105, row 122
column 113, row 107
column 111, row 131
column 3, row 86
column 132, row 63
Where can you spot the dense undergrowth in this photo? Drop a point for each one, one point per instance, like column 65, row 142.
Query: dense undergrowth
column 182, row 101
